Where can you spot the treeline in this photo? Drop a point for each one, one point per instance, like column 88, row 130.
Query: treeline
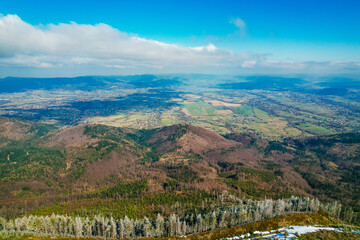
column 246, row 211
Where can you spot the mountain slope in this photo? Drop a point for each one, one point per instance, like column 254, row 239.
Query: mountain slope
column 187, row 138
column 40, row 161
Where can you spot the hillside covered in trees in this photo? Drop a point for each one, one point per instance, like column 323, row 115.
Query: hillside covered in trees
column 106, row 180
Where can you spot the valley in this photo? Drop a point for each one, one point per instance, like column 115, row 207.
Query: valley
column 275, row 111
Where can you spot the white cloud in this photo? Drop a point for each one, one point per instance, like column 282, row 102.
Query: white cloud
column 208, row 48
column 239, row 23
column 101, row 44
column 248, row 64
column 96, row 49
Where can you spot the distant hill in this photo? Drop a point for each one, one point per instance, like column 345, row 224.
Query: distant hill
column 84, row 83
column 188, row 138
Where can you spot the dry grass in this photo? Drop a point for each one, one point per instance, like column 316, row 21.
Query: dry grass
column 184, row 110
column 223, row 112
column 331, row 235
column 220, row 103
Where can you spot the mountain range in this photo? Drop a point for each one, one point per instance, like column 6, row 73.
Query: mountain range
column 41, row 162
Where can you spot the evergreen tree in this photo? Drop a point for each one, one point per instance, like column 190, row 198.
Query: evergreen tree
column 147, row 229
column 78, row 227
column 160, row 228
column 172, row 225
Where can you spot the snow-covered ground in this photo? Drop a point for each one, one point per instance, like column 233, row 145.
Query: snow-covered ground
column 287, row 233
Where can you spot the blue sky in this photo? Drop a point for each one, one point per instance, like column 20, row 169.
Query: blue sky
column 266, row 36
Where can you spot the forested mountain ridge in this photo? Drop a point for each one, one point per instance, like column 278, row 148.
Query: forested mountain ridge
column 94, row 164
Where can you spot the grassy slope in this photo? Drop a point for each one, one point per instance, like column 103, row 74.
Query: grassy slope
column 330, row 235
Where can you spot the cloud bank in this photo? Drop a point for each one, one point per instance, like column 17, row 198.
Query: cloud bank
column 101, row 47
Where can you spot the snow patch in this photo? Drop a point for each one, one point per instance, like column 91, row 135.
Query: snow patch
column 287, row 233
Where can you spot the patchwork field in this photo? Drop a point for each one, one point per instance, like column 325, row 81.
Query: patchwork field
column 227, row 115
column 146, row 102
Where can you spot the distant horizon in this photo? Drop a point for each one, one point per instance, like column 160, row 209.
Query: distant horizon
column 352, row 76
